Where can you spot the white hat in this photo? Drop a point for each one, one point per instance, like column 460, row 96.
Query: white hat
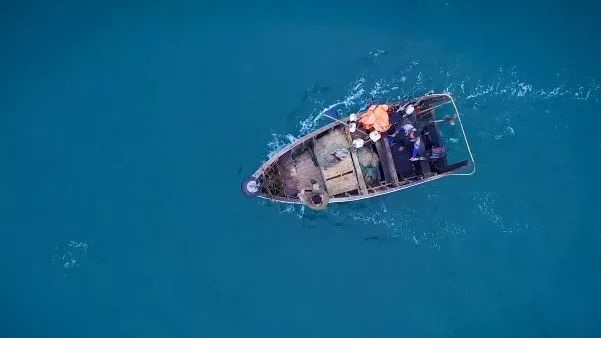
column 353, row 117
column 409, row 110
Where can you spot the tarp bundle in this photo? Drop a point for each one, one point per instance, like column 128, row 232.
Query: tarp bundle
column 376, row 117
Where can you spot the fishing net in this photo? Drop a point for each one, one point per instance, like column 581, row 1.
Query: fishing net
column 271, row 181
column 329, row 148
column 369, row 162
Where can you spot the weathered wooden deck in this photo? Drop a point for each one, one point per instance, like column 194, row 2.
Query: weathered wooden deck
column 306, row 170
column 341, row 177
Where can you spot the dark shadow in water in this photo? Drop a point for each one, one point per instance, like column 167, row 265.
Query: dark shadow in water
column 305, row 102
column 94, row 256
column 308, row 224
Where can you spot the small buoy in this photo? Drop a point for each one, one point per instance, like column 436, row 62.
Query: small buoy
column 409, row 110
column 353, row 117
column 250, row 187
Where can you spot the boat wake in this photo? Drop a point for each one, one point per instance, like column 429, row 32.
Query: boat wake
column 504, row 94
column 356, row 93
column 487, row 207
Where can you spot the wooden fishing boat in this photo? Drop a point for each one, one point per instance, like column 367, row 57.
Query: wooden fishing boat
column 350, row 159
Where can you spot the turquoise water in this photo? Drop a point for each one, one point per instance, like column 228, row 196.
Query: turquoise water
column 126, row 129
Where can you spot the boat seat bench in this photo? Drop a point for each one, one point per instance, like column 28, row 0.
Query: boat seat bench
column 386, row 160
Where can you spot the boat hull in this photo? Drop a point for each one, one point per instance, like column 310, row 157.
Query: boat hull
column 292, row 171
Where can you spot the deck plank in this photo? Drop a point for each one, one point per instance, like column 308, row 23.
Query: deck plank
column 386, row 160
column 341, row 177
column 342, row 184
column 339, row 168
column 358, row 171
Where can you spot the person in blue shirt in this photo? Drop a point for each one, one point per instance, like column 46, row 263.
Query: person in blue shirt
column 413, row 137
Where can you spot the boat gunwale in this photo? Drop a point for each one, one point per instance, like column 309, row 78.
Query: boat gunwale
column 369, row 195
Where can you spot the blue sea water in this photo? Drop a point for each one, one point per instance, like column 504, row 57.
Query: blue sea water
column 127, row 127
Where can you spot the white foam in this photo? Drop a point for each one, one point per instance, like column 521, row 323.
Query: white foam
column 507, row 85
column 523, row 89
column 376, row 89
column 69, row 256
column 419, row 78
column 278, row 142
column 377, row 53
column 508, row 131
column 487, row 206
column 356, row 92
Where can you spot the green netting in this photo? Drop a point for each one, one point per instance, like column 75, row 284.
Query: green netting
column 369, row 162
column 328, row 146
